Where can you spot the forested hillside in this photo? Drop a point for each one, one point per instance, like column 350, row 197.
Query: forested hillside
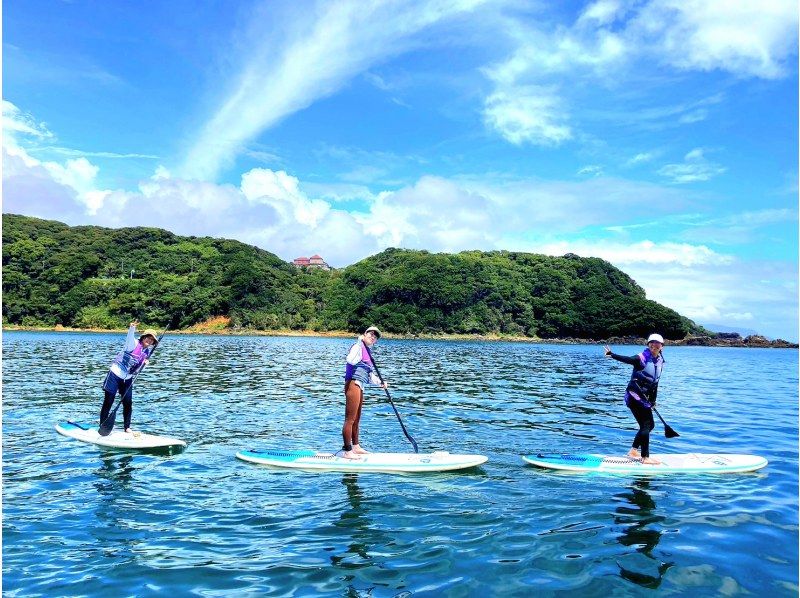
column 89, row 276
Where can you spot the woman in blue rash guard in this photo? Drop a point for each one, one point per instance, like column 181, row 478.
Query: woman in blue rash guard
column 359, row 371
column 640, row 395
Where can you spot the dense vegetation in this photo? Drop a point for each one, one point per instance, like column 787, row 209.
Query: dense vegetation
column 88, row 276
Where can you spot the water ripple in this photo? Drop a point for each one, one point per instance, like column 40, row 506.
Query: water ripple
column 78, row 520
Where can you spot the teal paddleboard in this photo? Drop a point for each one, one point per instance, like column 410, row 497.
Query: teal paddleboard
column 670, row 463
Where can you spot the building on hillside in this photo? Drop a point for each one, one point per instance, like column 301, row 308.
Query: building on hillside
column 315, row 261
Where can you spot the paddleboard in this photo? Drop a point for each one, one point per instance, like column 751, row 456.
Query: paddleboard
column 376, row 462
column 118, row 438
column 672, row 463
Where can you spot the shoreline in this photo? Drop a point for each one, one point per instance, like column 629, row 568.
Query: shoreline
column 753, row 341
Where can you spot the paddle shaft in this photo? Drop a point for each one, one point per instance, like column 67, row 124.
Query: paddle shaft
column 112, row 415
column 386, row 390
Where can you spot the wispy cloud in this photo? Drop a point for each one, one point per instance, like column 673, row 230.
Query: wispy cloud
column 695, row 168
column 16, row 122
column 55, row 69
column 591, row 170
column 325, row 47
column 616, row 41
column 65, row 151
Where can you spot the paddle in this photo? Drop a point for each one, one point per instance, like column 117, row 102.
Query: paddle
column 386, row 390
column 668, row 431
column 108, row 423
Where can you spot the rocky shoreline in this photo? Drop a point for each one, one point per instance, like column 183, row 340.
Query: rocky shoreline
column 723, row 339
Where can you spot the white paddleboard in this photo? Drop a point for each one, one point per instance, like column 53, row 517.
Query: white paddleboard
column 117, row 438
column 672, row 463
column 378, row 462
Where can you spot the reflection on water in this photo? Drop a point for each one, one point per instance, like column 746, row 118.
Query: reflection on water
column 354, row 519
column 640, row 523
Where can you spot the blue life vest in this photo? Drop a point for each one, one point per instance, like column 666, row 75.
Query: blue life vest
column 360, row 371
column 644, row 383
column 130, row 362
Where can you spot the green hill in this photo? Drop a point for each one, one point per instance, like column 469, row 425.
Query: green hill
column 88, row 276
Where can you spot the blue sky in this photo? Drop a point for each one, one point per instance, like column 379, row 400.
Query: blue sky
column 660, row 135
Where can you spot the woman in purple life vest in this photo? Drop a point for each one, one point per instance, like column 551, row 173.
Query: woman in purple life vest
column 640, row 395
column 359, row 372
column 130, row 360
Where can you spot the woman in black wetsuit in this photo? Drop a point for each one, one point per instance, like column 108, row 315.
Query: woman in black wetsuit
column 640, row 395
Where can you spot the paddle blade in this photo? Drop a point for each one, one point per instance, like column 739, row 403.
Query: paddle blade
column 108, row 424
column 670, row 433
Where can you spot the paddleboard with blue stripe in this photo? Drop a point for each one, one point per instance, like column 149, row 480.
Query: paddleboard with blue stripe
column 373, row 462
column 671, row 463
column 118, row 438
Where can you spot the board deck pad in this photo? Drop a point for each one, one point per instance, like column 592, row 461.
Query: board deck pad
column 374, row 462
column 670, row 463
column 118, row 438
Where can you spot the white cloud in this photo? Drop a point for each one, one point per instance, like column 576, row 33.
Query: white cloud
column 527, row 114
column 591, row 170
column 77, row 176
column 750, row 39
column 281, row 191
column 735, row 292
column 612, row 42
column 17, row 122
column 642, row 252
column 318, row 49
column 696, row 167
column 640, row 158
column 65, row 151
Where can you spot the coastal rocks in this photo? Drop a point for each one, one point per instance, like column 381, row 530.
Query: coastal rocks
column 722, row 339
column 732, row 339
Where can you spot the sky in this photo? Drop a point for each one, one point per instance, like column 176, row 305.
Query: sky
column 660, row 135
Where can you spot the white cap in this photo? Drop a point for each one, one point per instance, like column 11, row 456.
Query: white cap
column 373, row 329
column 655, row 337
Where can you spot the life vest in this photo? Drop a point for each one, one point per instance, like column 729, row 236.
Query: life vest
column 362, row 370
column 128, row 363
column 644, row 382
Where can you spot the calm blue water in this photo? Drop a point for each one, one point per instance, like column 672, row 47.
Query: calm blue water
column 79, row 520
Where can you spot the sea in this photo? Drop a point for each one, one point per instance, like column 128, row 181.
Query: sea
column 80, row 520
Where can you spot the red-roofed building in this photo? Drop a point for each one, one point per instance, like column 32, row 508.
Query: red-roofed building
column 315, row 261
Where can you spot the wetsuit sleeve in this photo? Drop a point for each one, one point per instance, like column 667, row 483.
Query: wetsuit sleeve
column 633, row 360
column 354, row 356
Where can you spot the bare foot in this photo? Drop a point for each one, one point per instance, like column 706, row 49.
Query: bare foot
column 634, row 454
column 650, row 461
column 348, row 455
column 359, row 451
column 128, row 431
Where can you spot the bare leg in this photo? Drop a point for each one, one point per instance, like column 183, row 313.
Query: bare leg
column 357, row 422
column 352, row 411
